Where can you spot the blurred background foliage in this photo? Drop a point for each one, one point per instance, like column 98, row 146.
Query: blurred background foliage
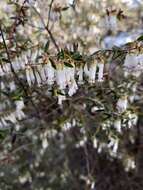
column 85, row 143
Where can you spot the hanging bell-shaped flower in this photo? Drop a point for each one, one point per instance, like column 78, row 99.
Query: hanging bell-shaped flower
column 122, row 104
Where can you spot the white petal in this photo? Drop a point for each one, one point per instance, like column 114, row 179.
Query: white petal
column 92, row 73
column 100, row 73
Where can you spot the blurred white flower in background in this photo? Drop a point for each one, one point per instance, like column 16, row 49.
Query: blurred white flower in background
column 122, row 104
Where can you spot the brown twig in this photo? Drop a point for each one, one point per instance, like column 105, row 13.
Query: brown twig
column 50, row 8
column 47, row 29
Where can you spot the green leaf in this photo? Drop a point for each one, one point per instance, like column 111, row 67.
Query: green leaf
column 47, row 46
column 68, row 64
column 16, row 95
column 60, row 93
column 5, row 60
column 140, row 38
column 76, row 56
column 61, row 54
column 65, row 8
column 52, row 63
column 3, row 134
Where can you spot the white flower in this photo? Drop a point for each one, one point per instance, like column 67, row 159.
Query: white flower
column 101, row 147
column 19, row 106
column 26, row 177
column 61, row 78
column 97, row 108
column 44, row 143
column 29, row 75
column 2, row 85
column 70, row 74
column 101, row 71
column 12, row 86
column 113, row 144
column 32, row 76
column 41, row 72
column 115, row 147
column 38, row 78
column 18, row 65
column 21, row 61
column 81, row 143
column 95, row 142
column 19, row 114
column 1, row 71
column 111, row 22
column 61, row 98
column 132, row 119
column 117, row 125
column 1, row 124
column 4, row 123
column 6, row 67
column 86, row 71
column 11, row 118
column 80, row 74
column 122, row 104
column 133, row 64
column 72, row 88
column 92, row 72
column 67, row 126
column 129, row 163
column 50, row 73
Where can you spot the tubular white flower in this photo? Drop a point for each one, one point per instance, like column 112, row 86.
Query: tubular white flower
column 92, row 72
column 1, row 124
column 70, row 80
column 41, row 77
column 111, row 22
column 61, row 78
column 67, row 126
column 22, row 61
column 42, row 74
column 86, row 70
column 11, row 118
column 2, row 85
column 6, row 68
column 113, row 144
column 45, row 143
column 12, row 86
column 4, row 123
column 117, row 125
column 122, row 104
column 80, row 75
column 19, row 106
column 1, row 71
column 19, row 114
column 32, row 76
column 101, row 147
column 132, row 119
column 28, row 75
column 95, row 142
column 50, row 73
column 133, row 64
column 61, row 98
column 70, row 74
column 72, row 88
column 17, row 63
column 101, row 72
column 38, row 78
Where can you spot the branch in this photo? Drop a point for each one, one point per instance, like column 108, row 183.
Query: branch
column 50, row 8
column 47, row 29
